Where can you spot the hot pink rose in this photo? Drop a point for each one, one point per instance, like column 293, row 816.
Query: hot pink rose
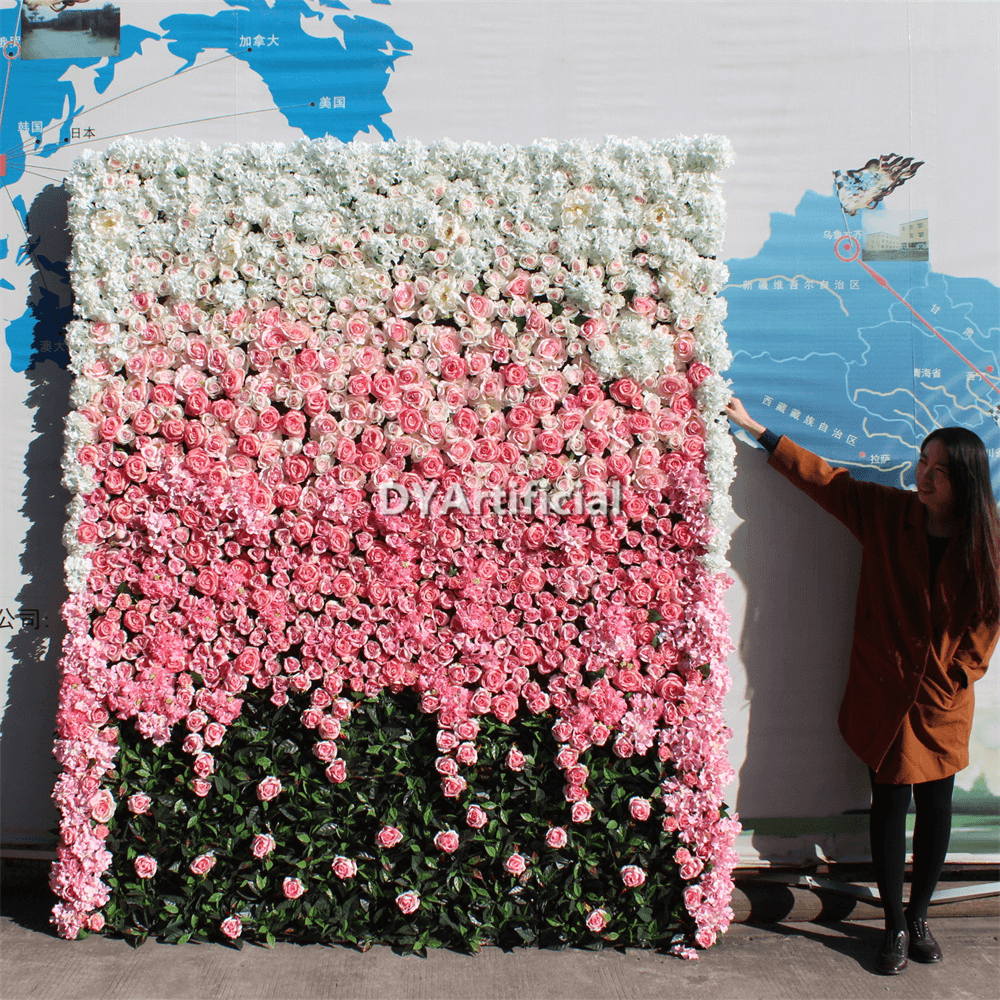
column 344, row 868
column 408, row 902
column 515, row 864
column 145, row 866
column 388, row 836
column 597, row 920
column 268, row 789
column 292, row 888
column 202, row 864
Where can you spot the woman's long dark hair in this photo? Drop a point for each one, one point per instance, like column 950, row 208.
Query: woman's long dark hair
column 977, row 523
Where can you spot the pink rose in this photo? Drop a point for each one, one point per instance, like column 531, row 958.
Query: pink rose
column 344, row 868
column 262, row 845
column 213, row 734
column 292, row 888
column 452, row 787
column 557, row 837
column 268, row 789
column 515, row 759
column 204, row 765
column 447, row 841
column 325, row 751
column 581, row 812
column 633, row 876
column 145, row 866
column 408, row 902
column 201, row 787
column 705, row 937
column 388, row 836
column 639, row 807
column 102, row 806
column 504, row 706
column 202, row 864
column 597, row 920
column 476, row 817
column 139, row 803
column 337, row 772
column 515, row 864
column 95, row 922
column 232, row 927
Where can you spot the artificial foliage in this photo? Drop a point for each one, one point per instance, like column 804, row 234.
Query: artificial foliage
column 396, row 554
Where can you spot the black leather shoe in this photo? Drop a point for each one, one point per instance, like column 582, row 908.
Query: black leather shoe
column 922, row 947
column 891, row 957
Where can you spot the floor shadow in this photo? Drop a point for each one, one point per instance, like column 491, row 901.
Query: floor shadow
column 799, row 568
column 26, row 762
column 852, row 941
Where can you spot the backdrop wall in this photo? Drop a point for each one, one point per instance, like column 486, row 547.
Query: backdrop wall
column 822, row 352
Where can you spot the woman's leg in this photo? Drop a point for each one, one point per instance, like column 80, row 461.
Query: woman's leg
column 931, row 833
column 887, row 825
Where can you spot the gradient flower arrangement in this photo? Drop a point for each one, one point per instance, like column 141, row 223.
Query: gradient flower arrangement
column 274, row 338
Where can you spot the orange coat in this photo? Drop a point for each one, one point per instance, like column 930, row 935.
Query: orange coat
column 907, row 709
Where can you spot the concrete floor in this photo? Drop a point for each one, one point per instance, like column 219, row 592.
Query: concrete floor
column 797, row 961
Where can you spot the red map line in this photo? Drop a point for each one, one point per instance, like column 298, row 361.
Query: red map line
column 944, row 340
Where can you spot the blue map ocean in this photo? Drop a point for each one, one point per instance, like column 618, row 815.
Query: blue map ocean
column 825, row 354
column 322, row 86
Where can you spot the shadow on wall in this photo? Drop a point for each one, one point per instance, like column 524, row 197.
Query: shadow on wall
column 799, row 568
column 27, row 767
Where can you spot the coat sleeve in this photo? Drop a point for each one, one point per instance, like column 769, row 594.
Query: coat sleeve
column 833, row 489
column 974, row 651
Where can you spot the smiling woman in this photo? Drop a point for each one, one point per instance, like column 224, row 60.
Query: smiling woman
column 927, row 622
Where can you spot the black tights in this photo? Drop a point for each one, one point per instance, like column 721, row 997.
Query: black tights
column 931, row 833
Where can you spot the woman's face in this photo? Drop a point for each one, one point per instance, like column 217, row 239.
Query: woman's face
column 933, row 480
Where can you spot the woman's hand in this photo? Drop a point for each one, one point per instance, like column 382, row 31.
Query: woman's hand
column 737, row 412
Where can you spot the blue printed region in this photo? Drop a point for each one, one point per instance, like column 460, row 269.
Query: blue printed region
column 320, row 85
column 846, row 369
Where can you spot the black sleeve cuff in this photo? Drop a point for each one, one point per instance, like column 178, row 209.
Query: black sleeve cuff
column 769, row 440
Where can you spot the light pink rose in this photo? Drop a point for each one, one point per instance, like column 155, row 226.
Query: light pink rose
column 705, row 937
column 515, row 759
column 633, row 876
column 581, row 812
column 139, row 803
column 476, row 817
column 145, row 866
column 202, row 864
column 214, row 733
column 201, row 787
column 102, row 806
column 597, row 920
column 232, row 927
column 262, row 845
column 388, row 836
column 268, row 788
column 337, row 772
column 292, row 888
column 452, row 787
column 95, row 922
column 515, row 864
column 557, row 837
column 447, row 841
column 408, row 902
column 344, row 868
column 639, row 807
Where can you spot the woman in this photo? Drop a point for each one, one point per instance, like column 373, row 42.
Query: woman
column 925, row 626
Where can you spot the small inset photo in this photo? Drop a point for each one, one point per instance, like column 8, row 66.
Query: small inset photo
column 889, row 234
column 70, row 29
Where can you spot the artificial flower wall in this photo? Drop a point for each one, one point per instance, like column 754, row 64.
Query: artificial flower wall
column 396, row 553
